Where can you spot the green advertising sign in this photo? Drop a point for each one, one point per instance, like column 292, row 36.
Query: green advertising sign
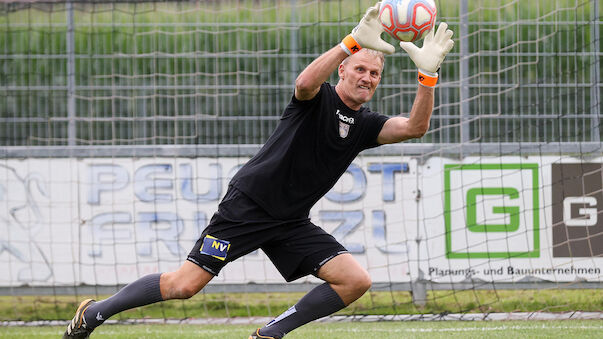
column 491, row 211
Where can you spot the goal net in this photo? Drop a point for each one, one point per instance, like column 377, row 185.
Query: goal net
column 123, row 121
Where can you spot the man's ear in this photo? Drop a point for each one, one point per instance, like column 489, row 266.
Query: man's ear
column 340, row 71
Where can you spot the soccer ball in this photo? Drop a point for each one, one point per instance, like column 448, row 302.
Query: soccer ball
column 407, row 20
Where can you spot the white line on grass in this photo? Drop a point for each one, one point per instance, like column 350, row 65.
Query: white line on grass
column 351, row 329
column 342, row 318
column 347, row 329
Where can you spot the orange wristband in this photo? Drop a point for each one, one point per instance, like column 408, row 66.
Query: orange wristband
column 427, row 80
column 349, row 45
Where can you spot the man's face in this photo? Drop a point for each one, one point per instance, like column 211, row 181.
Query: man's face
column 359, row 76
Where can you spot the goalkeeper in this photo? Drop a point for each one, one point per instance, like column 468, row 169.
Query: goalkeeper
column 321, row 131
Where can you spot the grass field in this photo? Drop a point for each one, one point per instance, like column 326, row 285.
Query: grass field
column 219, row 305
column 355, row 330
column 234, row 305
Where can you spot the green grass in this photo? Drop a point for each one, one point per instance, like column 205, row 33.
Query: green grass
column 380, row 330
column 29, row 308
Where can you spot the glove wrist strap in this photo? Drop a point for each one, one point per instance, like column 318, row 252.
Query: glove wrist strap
column 427, row 79
column 349, row 45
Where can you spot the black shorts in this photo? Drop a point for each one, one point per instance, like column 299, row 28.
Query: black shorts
column 296, row 247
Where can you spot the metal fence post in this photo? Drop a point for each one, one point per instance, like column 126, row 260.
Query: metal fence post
column 71, row 132
column 464, row 72
column 595, row 75
column 418, row 286
column 293, row 43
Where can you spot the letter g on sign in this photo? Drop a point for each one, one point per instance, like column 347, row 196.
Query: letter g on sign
column 587, row 216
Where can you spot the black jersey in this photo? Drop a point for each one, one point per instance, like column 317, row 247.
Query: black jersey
column 312, row 146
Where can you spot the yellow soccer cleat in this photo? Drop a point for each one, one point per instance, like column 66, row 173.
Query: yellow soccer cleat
column 77, row 328
column 257, row 335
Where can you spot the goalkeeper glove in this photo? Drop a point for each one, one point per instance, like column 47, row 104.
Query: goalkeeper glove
column 367, row 34
column 429, row 57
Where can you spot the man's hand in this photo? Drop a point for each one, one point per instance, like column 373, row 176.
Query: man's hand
column 367, row 34
column 429, row 57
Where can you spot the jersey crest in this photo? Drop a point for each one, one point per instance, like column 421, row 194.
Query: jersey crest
column 344, row 129
column 344, row 124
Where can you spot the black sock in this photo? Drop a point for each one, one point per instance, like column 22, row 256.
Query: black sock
column 319, row 302
column 141, row 292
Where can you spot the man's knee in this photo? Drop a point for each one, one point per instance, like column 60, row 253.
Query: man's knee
column 184, row 283
column 185, row 291
column 360, row 282
column 175, row 287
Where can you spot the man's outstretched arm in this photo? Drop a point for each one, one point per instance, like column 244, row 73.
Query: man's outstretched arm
column 399, row 128
column 428, row 60
column 309, row 80
column 367, row 34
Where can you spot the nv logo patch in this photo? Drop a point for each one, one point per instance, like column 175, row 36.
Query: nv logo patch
column 215, row 247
